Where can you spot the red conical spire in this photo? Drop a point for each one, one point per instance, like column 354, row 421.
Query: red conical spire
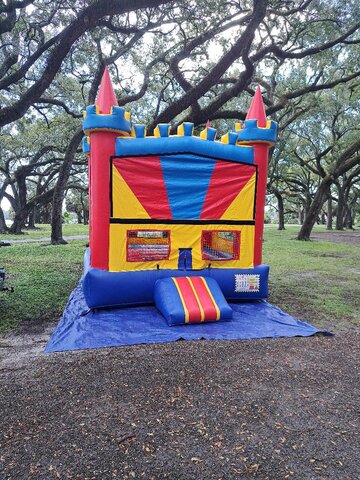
column 106, row 97
column 257, row 109
column 208, row 124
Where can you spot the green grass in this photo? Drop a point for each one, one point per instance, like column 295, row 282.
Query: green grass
column 317, row 281
column 44, row 230
column 43, row 277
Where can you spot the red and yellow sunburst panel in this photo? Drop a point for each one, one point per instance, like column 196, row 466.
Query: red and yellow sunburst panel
column 184, row 195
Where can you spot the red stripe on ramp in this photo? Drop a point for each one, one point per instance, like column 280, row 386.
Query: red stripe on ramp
column 207, row 302
column 189, row 299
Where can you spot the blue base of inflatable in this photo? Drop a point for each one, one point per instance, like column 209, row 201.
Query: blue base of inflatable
column 104, row 289
column 81, row 328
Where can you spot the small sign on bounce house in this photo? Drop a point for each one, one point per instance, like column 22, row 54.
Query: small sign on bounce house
column 247, row 283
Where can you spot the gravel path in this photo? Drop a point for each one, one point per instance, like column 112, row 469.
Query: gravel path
column 270, row 409
column 46, row 239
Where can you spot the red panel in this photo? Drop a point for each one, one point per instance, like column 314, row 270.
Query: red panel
column 189, row 299
column 145, row 178
column 261, row 159
column 207, row 302
column 227, row 181
column 102, row 147
column 257, row 112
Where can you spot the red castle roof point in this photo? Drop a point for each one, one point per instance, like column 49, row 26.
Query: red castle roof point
column 106, row 97
column 257, row 109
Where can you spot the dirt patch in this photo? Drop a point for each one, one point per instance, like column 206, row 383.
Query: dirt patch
column 325, row 255
column 40, row 326
column 271, row 409
column 304, row 274
column 23, row 346
column 348, row 237
column 354, row 270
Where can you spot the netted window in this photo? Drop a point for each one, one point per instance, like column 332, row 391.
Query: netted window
column 148, row 245
column 220, row 245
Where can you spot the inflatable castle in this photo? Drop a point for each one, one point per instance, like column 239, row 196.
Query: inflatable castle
column 175, row 220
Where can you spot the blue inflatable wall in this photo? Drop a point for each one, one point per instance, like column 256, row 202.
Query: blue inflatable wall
column 112, row 289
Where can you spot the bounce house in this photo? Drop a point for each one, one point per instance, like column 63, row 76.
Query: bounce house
column 176, row 227
column 175, row 219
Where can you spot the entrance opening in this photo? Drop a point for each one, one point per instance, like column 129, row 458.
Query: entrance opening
column 185, row 259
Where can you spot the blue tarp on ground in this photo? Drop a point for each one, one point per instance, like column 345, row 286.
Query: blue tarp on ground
column 81, row 328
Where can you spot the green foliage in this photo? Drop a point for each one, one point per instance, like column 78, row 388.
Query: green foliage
column 77, row 201
column 67, row 217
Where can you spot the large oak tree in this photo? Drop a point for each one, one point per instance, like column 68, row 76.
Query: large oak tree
column 171, row 61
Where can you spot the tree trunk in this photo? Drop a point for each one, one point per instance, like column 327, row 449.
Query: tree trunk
column 353, row 216
column 31, row 219
column 19, row 221
column 3, row 226
column 84, row 209
column 329, row 220
column 315, row 208
column 352, row 211
column 21, row 212
column 45, row 214
column 300, row 215
column 86, row 216
column 307, row 205
column 280, row 210
column 64, row 174
column 340, row 209
column 37, row 215
column 348, row 219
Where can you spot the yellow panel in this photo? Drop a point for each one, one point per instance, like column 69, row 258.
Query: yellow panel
column 125, row 203
column 181, row 236
column 225, row 138
column 180, row 130
column 243, row 205
column 203, row 134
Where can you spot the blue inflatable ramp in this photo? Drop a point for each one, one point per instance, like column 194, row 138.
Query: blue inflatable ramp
column 81, row 328
column 191, row 300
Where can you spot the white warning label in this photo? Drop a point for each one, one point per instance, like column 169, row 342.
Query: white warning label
column 247, row 282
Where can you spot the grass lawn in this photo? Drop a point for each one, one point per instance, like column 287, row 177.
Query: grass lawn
column 43, row 276
column 317, row 281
